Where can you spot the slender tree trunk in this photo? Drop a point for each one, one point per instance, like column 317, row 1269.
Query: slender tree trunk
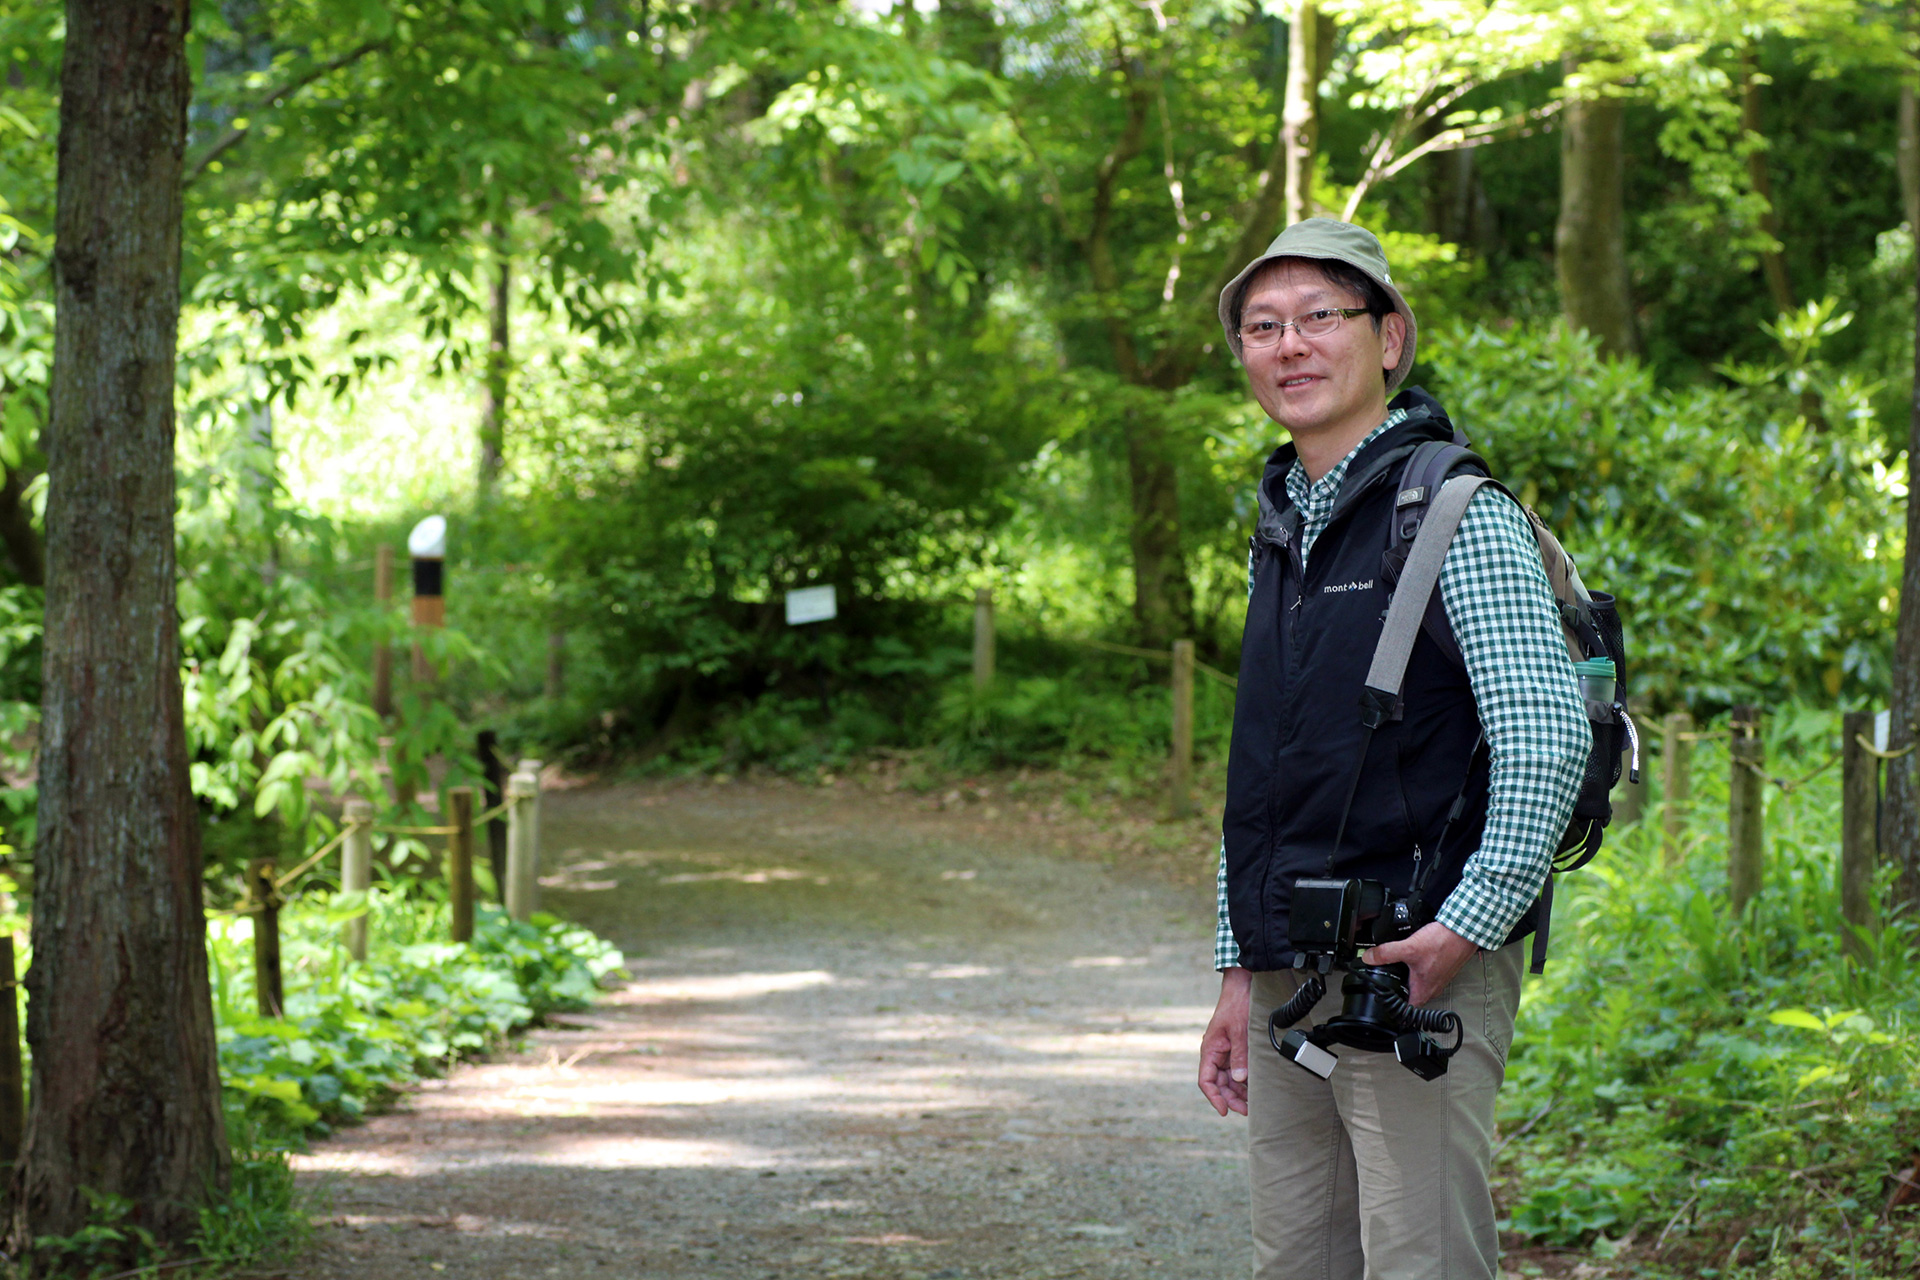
column 493, row 413
column 1900, row 821
column 126, row 1093
column 1309, row 46
column 1773, row 262
column 1162, row 592
column 1907, row 158
column 1590, row 242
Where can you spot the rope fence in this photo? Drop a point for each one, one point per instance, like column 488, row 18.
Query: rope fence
column 519, row 886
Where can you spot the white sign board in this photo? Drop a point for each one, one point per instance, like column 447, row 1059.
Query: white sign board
column 1882, row 729
column 810, row 604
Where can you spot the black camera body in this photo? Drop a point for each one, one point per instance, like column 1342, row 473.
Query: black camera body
column 1332, row 923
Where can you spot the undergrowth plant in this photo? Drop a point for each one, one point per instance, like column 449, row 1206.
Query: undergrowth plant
column 1701, row 1093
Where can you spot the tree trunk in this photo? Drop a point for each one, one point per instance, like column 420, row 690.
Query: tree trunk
column 1162, row 592
column 126, row 1093
column 1309, row 47
column 1773, row 263
column 1907, row 158
column 1590, row 241
column 1900, row 820
column 493, row 413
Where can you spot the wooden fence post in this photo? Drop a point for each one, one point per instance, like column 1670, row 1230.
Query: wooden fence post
column 1676, row 759
column 460, row 862
column 1746, row 824
column 268, row 994
column 1859, row 841
column 982, row 639
column 383, row 647
column 13, row 1093
column 523, row 843
column 356, row 868
column 1181, row 780
column 495, row 773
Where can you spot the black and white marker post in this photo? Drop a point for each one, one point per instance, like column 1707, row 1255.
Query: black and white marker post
column 427, row 544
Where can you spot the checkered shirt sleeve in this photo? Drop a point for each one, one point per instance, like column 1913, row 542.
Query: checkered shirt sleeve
column 1503, row 614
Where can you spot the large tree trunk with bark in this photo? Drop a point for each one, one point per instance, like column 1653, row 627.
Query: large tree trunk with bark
column 1900, row 822
column 126, row 1092
column 1773, row 262
column 1590, row 241
column 1309, row 48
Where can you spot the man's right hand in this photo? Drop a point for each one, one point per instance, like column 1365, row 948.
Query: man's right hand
column 1223, row 1049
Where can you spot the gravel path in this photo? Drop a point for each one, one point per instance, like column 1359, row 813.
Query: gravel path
column 863, row 1038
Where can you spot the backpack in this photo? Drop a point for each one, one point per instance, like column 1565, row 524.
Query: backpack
column 1437, row 482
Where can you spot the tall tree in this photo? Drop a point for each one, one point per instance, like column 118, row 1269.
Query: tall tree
column 1309, row 49
column 125, row 1093
column 1590, row 239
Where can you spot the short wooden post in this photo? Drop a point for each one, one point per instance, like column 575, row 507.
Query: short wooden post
column 383, row 647
column 523, row 843
column 267, row 992
column 556, row 664
column 982, row 639
column 495, row 773
column 1180, row 781
column 460, row 862
column 1630, row 797
column 13, row 1093
column 1746, row 826
column 1676, row 760
column 356, row 868
column 1859, row 841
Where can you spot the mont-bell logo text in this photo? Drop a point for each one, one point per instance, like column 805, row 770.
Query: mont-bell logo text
column 1345, row 587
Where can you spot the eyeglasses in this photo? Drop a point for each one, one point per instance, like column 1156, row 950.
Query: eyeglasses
column 1314, row 324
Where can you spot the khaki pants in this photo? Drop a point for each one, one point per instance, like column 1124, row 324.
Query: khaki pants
column 1376, row 1174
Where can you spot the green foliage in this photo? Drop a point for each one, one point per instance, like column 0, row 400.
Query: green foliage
column 353, row 1032
column 1754, row 554
column 1696, row 1080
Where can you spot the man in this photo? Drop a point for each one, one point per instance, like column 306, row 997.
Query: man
column 1373, row 1172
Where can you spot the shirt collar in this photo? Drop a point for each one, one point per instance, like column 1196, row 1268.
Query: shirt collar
column 1318, row 493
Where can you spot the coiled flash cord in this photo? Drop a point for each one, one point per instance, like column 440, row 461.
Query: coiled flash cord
column 1432, row 1021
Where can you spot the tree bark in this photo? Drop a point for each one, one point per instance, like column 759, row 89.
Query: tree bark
column 1309, row 46
column 1907, row 158
column 493, row 412
column 1162, row 591
column 126, row 1092
column 1900, row 820
column 1773, row 263
column 1590, row 241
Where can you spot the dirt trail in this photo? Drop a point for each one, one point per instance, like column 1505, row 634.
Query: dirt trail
column 862, row 1039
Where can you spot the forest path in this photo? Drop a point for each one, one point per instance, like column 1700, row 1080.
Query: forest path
column 863, row 1038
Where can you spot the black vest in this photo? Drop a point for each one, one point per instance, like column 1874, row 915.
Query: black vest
column 1297, row 736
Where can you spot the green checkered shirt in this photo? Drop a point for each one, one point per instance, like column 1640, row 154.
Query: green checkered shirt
column 1504, row 616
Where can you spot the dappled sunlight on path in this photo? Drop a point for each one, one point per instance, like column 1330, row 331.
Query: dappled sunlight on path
column 924, row 1054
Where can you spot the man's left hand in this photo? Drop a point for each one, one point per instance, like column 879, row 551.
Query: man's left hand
column 1432, row 956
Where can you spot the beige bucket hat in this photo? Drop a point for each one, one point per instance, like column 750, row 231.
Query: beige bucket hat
column 1327, row 240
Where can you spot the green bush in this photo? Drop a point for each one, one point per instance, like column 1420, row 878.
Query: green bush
column 355, row 1032
column 1700, row 1079
column 1756, row 556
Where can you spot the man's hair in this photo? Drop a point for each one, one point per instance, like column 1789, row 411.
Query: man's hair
column 1341, row 275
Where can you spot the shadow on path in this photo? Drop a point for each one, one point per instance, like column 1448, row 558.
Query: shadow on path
column 861, row 1039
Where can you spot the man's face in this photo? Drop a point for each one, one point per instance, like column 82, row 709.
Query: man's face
column 1314, row 385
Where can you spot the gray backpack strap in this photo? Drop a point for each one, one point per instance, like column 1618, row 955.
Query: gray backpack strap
column 1380, row 699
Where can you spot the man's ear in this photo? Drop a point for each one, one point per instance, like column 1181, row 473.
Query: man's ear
column 1393, row 337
